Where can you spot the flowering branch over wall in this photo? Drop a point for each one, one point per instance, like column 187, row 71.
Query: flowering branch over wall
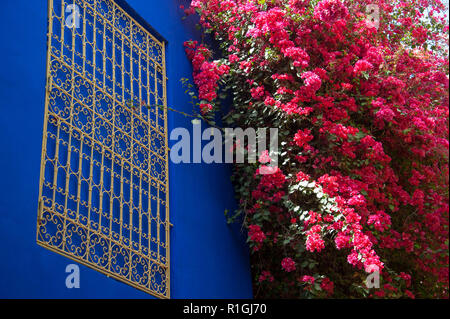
column 362, row 110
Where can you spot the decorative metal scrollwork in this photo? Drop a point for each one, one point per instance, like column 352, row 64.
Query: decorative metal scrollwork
column 103, row 197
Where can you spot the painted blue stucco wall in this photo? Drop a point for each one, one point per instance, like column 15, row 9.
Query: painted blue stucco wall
column 209, row 259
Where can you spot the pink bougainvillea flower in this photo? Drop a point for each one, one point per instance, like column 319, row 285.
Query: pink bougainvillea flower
column 264, row 157
column 288, row 264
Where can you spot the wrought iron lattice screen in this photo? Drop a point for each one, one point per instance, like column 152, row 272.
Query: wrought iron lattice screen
column 104, row 191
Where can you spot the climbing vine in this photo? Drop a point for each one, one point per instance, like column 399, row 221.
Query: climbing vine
column 361, row 104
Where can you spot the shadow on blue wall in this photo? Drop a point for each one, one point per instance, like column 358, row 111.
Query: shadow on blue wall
column 209, row 259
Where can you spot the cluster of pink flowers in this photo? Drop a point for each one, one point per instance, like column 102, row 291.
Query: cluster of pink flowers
column 264, row 157
column 206, row 74
column 362, row 66
column 205, row 108
column 288, row 264
column 327, row 285
column 312, row 81
column 256, row 234
column 314, row 241
column 330, row 11
column 303, row 137
column 266, row 275
column 364, row 116
column 308, row 279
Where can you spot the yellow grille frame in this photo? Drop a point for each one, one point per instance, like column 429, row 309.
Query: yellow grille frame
column 104, row 179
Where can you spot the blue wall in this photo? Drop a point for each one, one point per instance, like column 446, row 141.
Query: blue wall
column 208, row 257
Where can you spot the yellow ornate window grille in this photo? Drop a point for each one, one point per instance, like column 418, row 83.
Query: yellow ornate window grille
column 104, row 189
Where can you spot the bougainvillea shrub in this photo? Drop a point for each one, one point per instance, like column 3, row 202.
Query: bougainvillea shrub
column 362, row 107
